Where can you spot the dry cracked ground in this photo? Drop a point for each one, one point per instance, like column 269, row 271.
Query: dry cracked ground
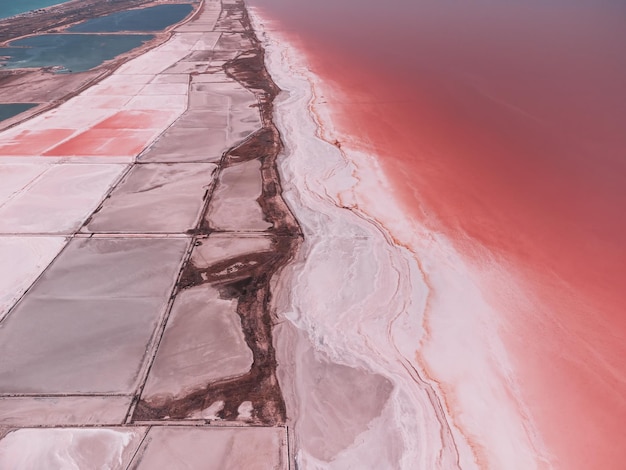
column 140, row 224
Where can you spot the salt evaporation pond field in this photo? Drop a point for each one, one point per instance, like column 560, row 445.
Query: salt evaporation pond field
column 80, row 52
column 146, row 19
column 72, row 52
column 13, row 109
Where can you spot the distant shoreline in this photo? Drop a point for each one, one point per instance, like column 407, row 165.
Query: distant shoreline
column 32, row 10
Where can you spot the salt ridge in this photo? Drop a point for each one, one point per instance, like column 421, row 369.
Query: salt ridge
column 373, row 290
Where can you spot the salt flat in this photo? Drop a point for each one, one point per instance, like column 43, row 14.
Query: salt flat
column 84, row 410
column 234, row 205
column 203, row 342
column 59, row 201
column 85, row 325
column 215, row 449
column 156, row 199
column 33, row 449
column 23, row 259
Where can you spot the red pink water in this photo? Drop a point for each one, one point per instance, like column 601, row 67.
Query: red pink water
column 501, row 125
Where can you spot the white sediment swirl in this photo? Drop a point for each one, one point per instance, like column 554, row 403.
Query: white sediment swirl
column 389, row 356
column 69, row 448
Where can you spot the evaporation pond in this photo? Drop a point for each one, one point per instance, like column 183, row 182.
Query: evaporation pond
column 72, row 52
column 145, row 19
column 13, row 109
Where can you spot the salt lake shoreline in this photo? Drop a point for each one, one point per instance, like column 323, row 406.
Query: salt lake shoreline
column 340, row 239
column 371, row 296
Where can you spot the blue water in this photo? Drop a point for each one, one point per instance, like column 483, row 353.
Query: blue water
column 13, row 109
column 146, row 19
column 15, row 7
column 73, row 52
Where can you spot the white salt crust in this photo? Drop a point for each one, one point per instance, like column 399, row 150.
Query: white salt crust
column 372, row 289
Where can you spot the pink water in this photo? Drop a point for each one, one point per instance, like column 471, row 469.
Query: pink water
column 503, row 125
